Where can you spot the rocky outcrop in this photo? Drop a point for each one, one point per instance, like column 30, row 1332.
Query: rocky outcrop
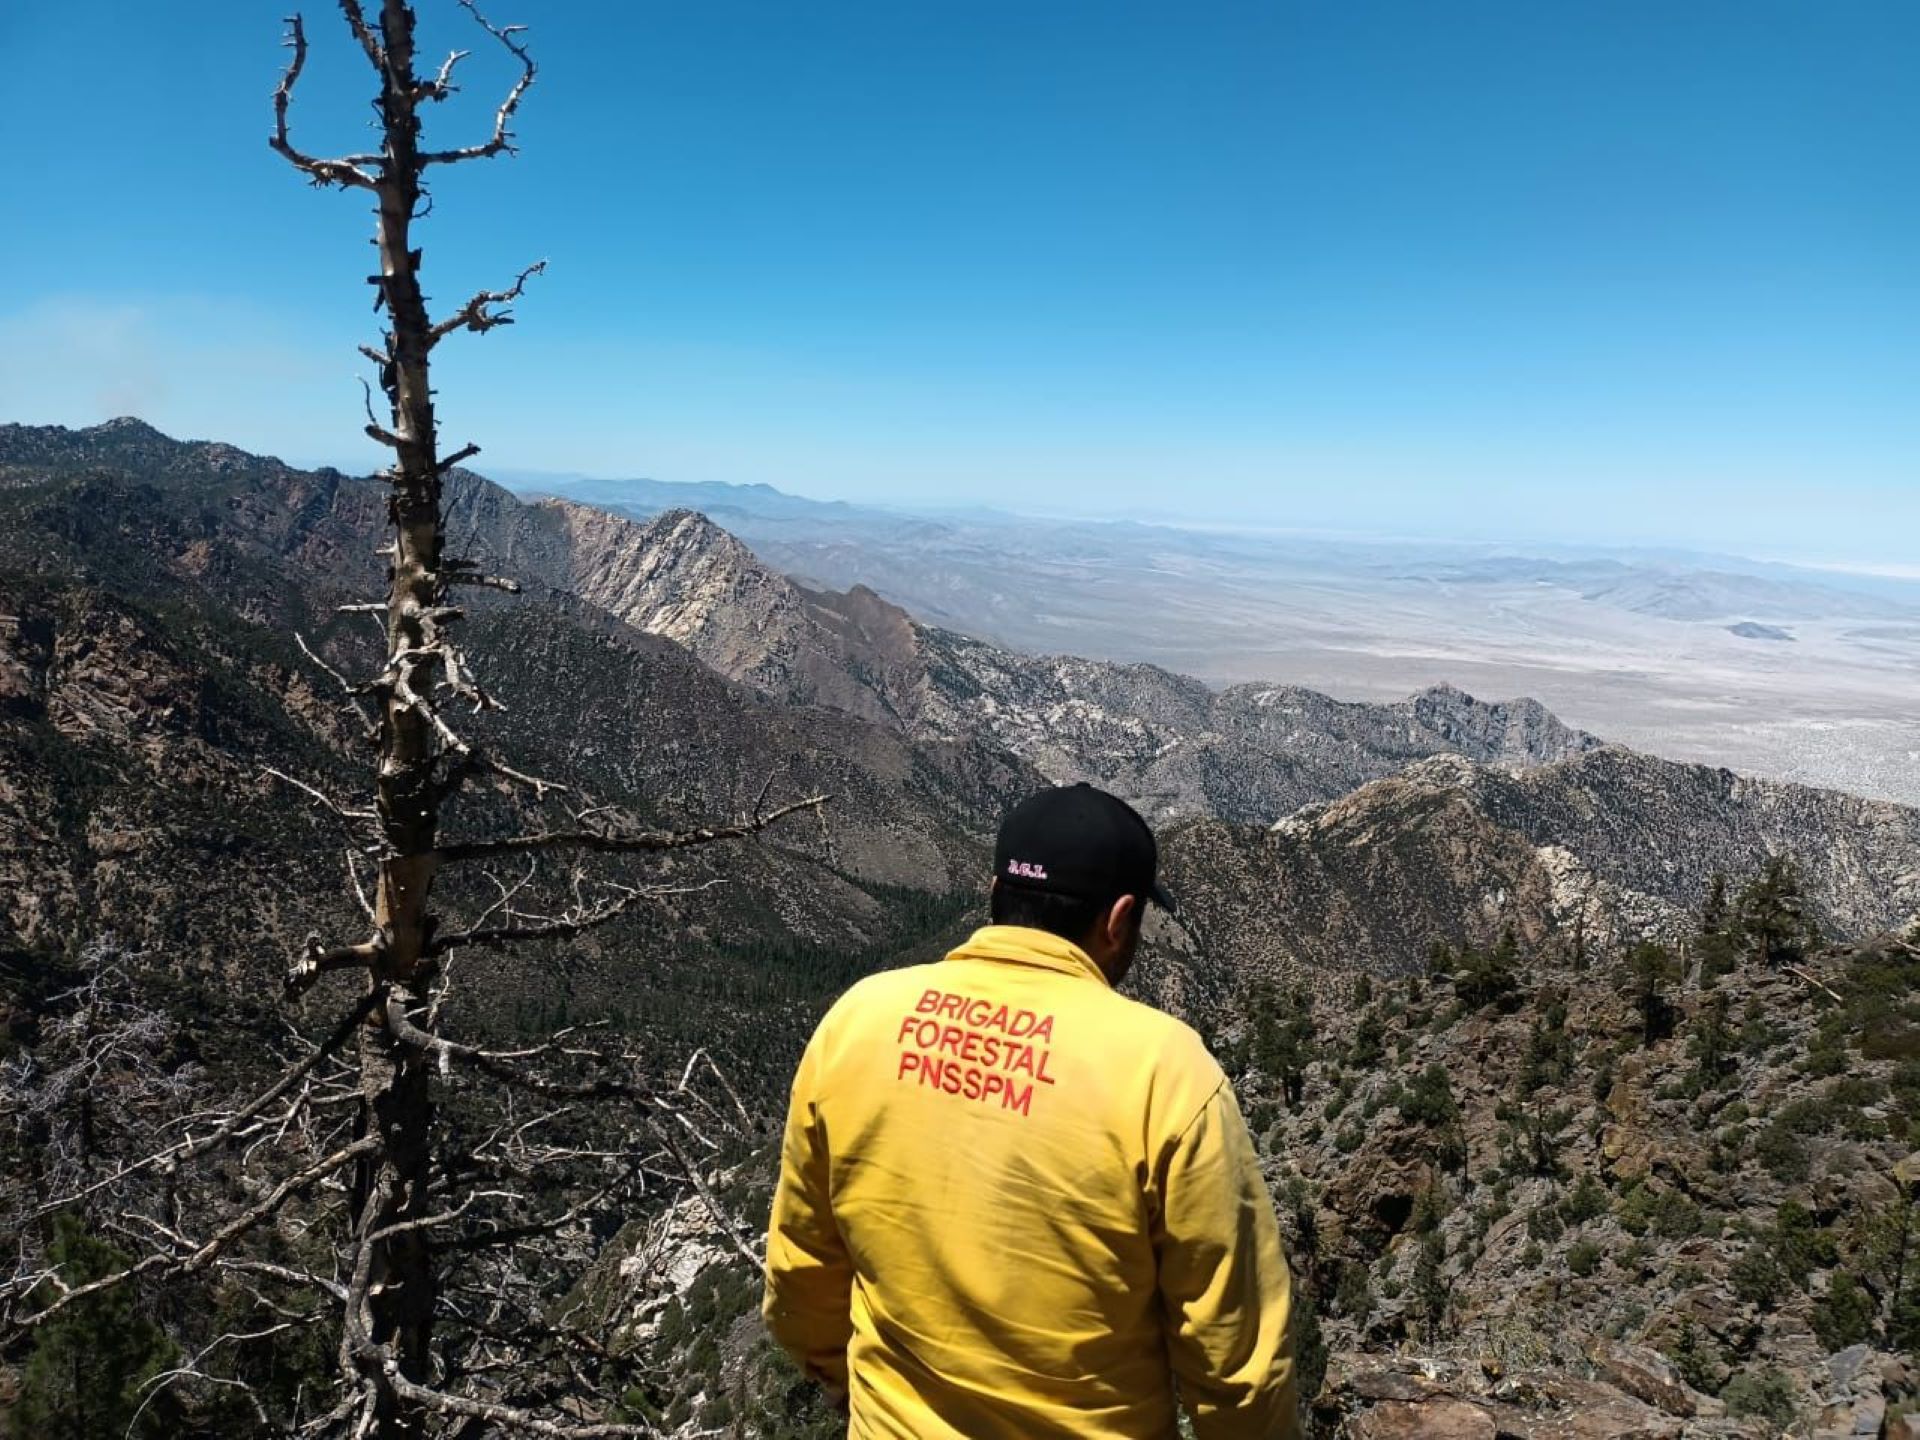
column 682, row 577
column 1583, row 854
column 1650, row 1377
column 1545, row 1191
column 1633, row 1394
column 1369, row 882
column 1373, row 1399
column 1178, row 749
column 1663, row 829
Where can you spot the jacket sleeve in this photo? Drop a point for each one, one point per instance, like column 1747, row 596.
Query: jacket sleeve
column 809, row 1286
column 1224, row 1281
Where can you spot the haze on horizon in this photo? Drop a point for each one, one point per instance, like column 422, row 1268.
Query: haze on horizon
column 1607, row 273
column 1465, row 531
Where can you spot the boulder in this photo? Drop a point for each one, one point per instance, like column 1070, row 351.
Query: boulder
column 1861, row 1419
column 1844, row 1366
column 1564, row 1407
column 1376, row 1189
column 1436, row 1419
column 1647, row 1375
column 1388, row 1397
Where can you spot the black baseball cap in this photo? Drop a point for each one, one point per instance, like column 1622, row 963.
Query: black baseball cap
column 1080, row 841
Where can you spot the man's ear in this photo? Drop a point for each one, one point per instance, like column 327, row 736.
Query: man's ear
column 1121, row 918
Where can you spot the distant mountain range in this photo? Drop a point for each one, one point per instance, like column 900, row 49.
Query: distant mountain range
column 1651, row 648
column 149, row 588
column 1673, row 584
column 1592, row 852
column 1170, row 743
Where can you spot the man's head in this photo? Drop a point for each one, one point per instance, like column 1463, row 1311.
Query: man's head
column 1078, row 863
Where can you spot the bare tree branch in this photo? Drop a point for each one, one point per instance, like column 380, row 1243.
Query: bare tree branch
column 374, row 429
column 209, row 1251
column 405, row 1031
column 476, row 315
column 302, row 1279
column 190, row 1148
column 333, row 674
column 319, row 960
column 343, row 172
column 476, row 761
column 441, row 86
column 347, row 688
column 502, row 139
column 575, row 921
column 486, row 582
column 721, row 1216
column 1815, row 982
column 444, row 1404
column 321, row 797
column 624, row 842
column 359, row 890
column 363, row 32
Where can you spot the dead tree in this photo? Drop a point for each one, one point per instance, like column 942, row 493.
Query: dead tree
column 358, row 1139
column 422, row 761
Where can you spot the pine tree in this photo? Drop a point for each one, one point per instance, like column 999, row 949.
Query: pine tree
column 1487, row 977
column 1281, row 1034
column 1713, row 1041
column 1369, row 1044
column 1772, row 915
column 1549, row 1056
column 1716, row 945
column 1430, row 1289
column 1651, row 967
column 88, row 1371
column 1885, row 1242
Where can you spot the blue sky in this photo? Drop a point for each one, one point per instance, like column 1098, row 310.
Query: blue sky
column 1591, row 270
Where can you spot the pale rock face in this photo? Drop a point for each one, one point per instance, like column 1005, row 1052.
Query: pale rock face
column 646, row 1267
column 1605, row 916
column 148, row 591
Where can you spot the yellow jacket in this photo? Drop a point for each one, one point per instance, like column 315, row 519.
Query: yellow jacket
column 1014, row 1203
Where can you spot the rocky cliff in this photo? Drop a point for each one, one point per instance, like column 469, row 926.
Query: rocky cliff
column 1592, row 852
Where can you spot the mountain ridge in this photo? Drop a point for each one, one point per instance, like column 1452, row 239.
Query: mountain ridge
column 1172, row 744
column 964, row 724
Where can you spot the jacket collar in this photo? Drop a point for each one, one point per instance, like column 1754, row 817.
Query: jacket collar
column 1019, row 945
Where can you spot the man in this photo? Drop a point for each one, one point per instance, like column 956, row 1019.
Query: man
column 1014, row 1203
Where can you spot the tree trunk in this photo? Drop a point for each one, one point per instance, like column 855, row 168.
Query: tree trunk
column 396, row 1078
